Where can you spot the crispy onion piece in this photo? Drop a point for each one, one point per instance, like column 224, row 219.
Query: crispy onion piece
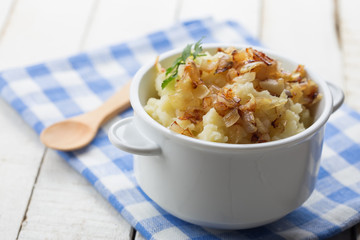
column 193, row 116
column 214, row 89
column 250, row 66
column 274, row 86
column 239, row 56
column 305, row 92
column 298, row 75
column 187, row 132
column 248, row 116
column 158, row 67
column 278, row 124
column 193, row 72
column 248, row 121
column 231, row 74
column 264, row 137
column 288, row 93
column 301, row 71
column 231, row 117
column 201, row 91
column 225, row 101
column 249, row 127
column 208, row 101
column 260, row 56
column 250, row 105
column 207, row 65
column 263, row 126
column 260, row 138
column 176, row 128
column 295, row 77
column 246, row 77
column 310, row 92
column 227, row 96
column 221, row 108
column 229, row 50
column 224, row 63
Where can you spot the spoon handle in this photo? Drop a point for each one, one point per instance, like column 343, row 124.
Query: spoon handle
column 117, row 103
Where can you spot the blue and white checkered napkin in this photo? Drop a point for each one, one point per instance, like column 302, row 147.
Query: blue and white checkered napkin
column 48, row 92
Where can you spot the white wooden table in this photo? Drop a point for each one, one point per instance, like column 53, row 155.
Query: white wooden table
column 41, row 197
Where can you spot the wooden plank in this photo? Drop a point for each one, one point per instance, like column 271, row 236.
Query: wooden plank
column 349, row 28
column 18, row 169
column 118, row 21
column 6, row 7
column 22, row 152
column 20, row 158
column 349, row 31
column 65, row 206
column 69, row 208
column 305, row 30
column 40, row 29
column 246, row 12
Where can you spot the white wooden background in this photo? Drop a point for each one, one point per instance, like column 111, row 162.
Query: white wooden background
column 41, row 197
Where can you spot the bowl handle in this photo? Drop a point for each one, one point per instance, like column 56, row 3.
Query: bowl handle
column 338, row 96
column 124, row 135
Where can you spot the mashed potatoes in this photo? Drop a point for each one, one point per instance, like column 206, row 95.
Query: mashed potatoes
column 234, row 96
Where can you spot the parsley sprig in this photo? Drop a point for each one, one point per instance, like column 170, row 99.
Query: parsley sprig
column 172, row 72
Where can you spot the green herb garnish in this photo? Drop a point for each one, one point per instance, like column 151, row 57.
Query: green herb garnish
column 172, row 72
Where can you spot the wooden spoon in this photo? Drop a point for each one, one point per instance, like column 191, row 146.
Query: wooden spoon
column 77, row 132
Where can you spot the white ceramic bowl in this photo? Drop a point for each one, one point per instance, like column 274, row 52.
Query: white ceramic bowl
column 227, row 186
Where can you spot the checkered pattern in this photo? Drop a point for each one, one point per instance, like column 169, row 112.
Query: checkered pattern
column 46, row 93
